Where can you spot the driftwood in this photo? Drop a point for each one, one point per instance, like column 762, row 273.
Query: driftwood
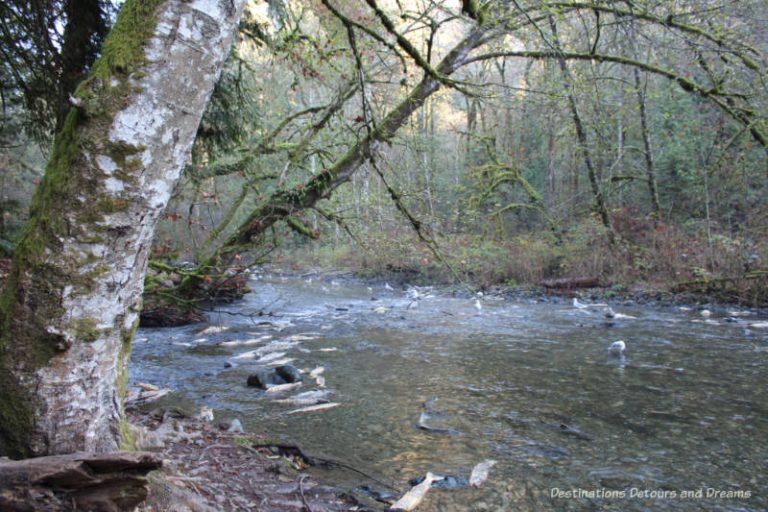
column 98, row 482
column 569, row 283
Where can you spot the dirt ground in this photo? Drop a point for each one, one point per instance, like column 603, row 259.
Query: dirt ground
column 207, row 468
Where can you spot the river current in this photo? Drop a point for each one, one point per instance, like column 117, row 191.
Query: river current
column 679, row 422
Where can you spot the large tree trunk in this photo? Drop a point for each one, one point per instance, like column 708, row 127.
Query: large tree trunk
column 71, row 303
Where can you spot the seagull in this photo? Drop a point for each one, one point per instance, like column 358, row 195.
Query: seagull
column 387, row 287
column 478, row 306
column 617, row 348
column 578, row 304
column 414, row 294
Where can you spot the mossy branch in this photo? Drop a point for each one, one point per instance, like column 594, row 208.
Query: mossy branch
column 301, row 228
column 718, row 97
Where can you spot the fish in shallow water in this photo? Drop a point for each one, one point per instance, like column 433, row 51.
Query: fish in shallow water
column 307, row 398
column 480, row 473
column 213, row 329
column 415, row 496
column 279, row 388
column 313, row 408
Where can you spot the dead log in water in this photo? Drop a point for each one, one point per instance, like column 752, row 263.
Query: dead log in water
column 570, row 283
column 98, row 482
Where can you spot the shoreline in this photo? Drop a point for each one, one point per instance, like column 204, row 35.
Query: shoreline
column 618, row 294
column 207, row 468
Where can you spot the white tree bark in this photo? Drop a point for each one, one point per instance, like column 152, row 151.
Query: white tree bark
column 74, row 296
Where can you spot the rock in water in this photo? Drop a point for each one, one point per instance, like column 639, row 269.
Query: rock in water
column 480, row 473
column 289, row 373
column 415, row 496
column 442, row 482
column 265, row 378
column 378, row 495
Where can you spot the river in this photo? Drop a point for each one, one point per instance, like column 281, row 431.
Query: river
column 530, row 384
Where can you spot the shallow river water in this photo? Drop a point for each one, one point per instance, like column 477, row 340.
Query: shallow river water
column 686, row 409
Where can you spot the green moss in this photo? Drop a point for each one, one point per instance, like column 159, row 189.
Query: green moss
column 16, row 418
column 84, row 329
column 108, row 205
column 124, row 48
column 127, row 435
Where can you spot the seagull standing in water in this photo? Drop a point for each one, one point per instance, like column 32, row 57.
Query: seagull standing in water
column 478, row 305
column 387, row 287
column 617, row 348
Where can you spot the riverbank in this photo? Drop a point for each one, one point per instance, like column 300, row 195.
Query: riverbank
column 617, row 294
column 210, row 466
column 667, row 260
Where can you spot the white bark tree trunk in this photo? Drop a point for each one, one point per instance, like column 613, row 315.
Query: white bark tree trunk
column 72, row 301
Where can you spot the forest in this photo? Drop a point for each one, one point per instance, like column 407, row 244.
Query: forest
column 162, row 161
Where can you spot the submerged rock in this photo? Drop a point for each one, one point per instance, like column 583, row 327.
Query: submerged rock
column 442, row 482
column 264, row 378
column 288, row 373
column 379, row 495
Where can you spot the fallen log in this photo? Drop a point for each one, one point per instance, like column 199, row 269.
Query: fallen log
column 569, row 283
column 98, row 482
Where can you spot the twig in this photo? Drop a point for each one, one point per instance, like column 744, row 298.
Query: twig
column 301, row 490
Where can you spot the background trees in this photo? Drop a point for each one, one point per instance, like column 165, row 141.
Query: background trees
column 494, row 167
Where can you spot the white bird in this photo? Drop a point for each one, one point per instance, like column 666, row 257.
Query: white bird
column 478, row 306
column 387, row 287
column 578, row 304
column 706, row 313
column 617, row 348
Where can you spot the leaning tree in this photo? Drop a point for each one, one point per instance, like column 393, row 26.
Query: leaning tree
column 71, row 303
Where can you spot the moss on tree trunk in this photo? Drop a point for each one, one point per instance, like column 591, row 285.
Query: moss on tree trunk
column 71, row 303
